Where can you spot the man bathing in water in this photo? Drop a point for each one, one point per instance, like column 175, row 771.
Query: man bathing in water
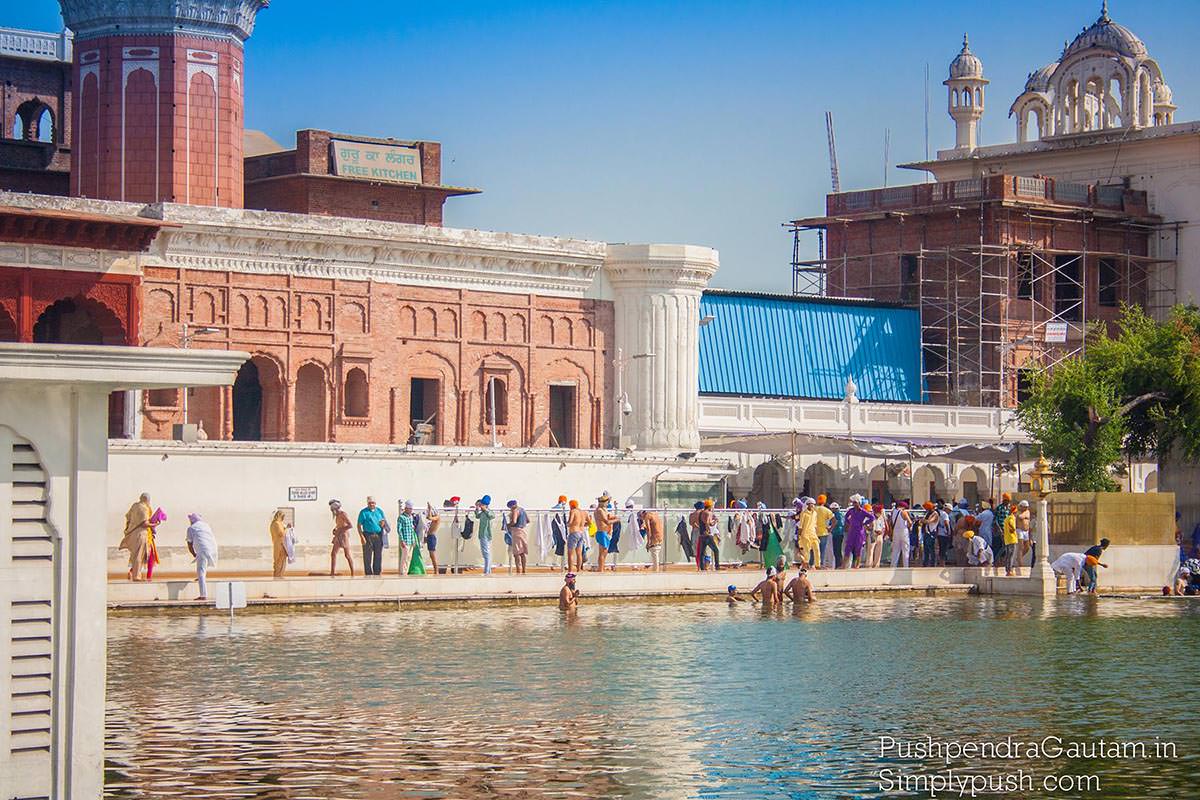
column 568, row 596
column 768, row 591
column 800, row 589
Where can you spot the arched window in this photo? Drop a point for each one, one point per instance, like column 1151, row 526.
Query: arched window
column 979, row 97
column 45, row 126
column 967, row 98
column 496, row 402
column 355, row 394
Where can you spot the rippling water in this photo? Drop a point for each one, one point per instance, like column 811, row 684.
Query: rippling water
column 641, row 700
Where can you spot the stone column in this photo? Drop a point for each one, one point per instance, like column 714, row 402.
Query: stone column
column 656, row 291
column 1041, row 573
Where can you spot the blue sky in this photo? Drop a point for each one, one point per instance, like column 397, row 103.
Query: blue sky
column 699, row 122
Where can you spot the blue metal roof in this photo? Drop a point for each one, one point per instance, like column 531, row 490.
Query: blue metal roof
column 784, row 346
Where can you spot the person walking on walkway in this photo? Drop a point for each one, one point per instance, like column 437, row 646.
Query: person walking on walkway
column 652, row 524
column 899, row 522
column 137, row 536
column 808, row 541
column 484, row 517
column 518, row 522
column 409, row 541
column 1012, row 545
column 858, row 521
column 279, row 555
column 433, row 521
column 577, row 522
column 1000, row 515
column 825, row 519
column 341, row 537
column 371, row 524
column 203, row 545
column 708, row 538
column 879, row 530
column 604, row 524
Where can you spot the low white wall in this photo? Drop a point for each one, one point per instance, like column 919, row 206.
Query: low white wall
column 1132, row 566
column 236, row 487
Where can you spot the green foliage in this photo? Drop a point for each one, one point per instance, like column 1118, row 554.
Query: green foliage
column 1135, row 395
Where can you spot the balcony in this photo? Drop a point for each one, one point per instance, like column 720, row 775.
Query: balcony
column 1010, row 189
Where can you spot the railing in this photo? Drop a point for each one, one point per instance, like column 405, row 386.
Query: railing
column 35, row 44
column 455, row 552
column 996, row 187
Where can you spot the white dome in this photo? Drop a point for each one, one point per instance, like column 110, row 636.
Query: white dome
column 966, row 64
column 1039, row 79
column 1162, row 94
column 1107, row 35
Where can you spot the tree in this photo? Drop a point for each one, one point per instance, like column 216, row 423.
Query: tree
column 1135, row 395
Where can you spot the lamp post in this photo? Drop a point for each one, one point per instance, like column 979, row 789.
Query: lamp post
column 1041, row 481
column 185, row 340
column 624, row 408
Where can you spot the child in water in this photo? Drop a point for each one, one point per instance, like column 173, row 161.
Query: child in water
column 732, row 597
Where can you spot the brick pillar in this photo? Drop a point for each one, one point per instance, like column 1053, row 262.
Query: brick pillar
column 158, row 111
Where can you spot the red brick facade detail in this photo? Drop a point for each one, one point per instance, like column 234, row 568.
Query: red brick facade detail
column 336, row 360
column 111, row 301
column 160, row 119
column 302, row 181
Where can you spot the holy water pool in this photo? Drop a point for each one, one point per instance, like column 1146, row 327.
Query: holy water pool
column 643, row 699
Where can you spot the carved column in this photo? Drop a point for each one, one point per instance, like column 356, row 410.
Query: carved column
column 657, row 307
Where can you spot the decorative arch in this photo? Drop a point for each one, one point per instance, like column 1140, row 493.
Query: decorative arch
column 498, row 327
column 513, row 413
column 241, row 310
column 34, row 122
column 928, row 483
column 160, row 305
column 972, row 485
column 260, row 312
column 518, row 328
column 448, row 323
column 770, row 478
column 353, row 318
column 258, row 400
column 281, row 311
column 572, row 409
column 1150, row 482
column 311, row 315
column 428, row 324
column 355, row 394
column 564, row 332
column 479, row 326
column 312, row 390
column 8, row 326
column 545, row 328
column 819, row 478
column 79, row 320
column 425, row 397
column 204, row 308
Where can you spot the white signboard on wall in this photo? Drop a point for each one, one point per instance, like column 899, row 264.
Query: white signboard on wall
column 391, row 163
column 1056, row 332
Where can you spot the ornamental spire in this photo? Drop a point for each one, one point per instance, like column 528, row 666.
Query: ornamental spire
column 1104, row 11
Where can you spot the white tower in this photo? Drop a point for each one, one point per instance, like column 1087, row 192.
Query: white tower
column 656, row 290
column 965, row 96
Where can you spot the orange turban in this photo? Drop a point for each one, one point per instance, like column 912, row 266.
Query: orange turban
column 574, row 504
column 821, row 499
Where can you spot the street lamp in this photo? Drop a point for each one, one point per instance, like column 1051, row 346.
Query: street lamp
column 624, row 407
column 185, row 340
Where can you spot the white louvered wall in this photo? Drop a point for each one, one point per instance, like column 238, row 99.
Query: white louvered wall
column 26, row 621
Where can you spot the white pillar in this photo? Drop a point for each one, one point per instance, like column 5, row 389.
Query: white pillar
column 657, row 291
column 1042, row 572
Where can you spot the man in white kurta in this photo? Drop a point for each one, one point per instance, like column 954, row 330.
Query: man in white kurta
column 1070, row 566
column 203, row 544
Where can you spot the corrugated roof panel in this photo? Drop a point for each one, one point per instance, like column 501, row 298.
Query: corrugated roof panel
column 789, row 347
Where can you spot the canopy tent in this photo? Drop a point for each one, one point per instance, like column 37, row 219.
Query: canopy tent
column 889, row 447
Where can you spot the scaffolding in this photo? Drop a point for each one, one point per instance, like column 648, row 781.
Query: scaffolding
column 991, row 310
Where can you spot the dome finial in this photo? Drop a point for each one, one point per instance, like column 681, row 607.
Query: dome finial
column 1104, row 11
column 966, row 44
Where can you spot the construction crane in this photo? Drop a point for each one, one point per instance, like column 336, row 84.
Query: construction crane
column 833, row 169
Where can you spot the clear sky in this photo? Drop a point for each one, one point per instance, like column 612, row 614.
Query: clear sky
column 690, row 121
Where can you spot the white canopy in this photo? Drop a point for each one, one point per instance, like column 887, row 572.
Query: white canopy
column 891, row 447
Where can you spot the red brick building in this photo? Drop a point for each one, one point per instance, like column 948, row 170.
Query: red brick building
column 1007, row 271
column 368, row 321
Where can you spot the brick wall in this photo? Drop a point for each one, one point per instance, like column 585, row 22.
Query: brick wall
column 308, row 334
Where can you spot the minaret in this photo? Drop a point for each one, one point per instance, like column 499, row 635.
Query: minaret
column 158, row 99
column 966, row 96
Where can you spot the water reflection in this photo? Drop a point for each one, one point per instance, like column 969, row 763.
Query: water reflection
column 634, row 699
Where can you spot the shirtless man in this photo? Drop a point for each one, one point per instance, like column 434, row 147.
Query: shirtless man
column 568, row 596
column 433, row 521
column 577, row 520
column 800, row 588
column 767, row 591
column 341, row 537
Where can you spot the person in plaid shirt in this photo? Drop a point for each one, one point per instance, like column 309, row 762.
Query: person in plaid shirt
column 999, row 516
column 406, row 534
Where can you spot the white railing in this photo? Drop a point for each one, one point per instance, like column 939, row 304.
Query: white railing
column 35, row 44
column 724, row 415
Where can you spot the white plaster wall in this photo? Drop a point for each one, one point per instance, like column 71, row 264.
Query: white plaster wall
column 236, row 488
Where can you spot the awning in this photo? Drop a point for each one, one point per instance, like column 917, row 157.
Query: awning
column 889, row 447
